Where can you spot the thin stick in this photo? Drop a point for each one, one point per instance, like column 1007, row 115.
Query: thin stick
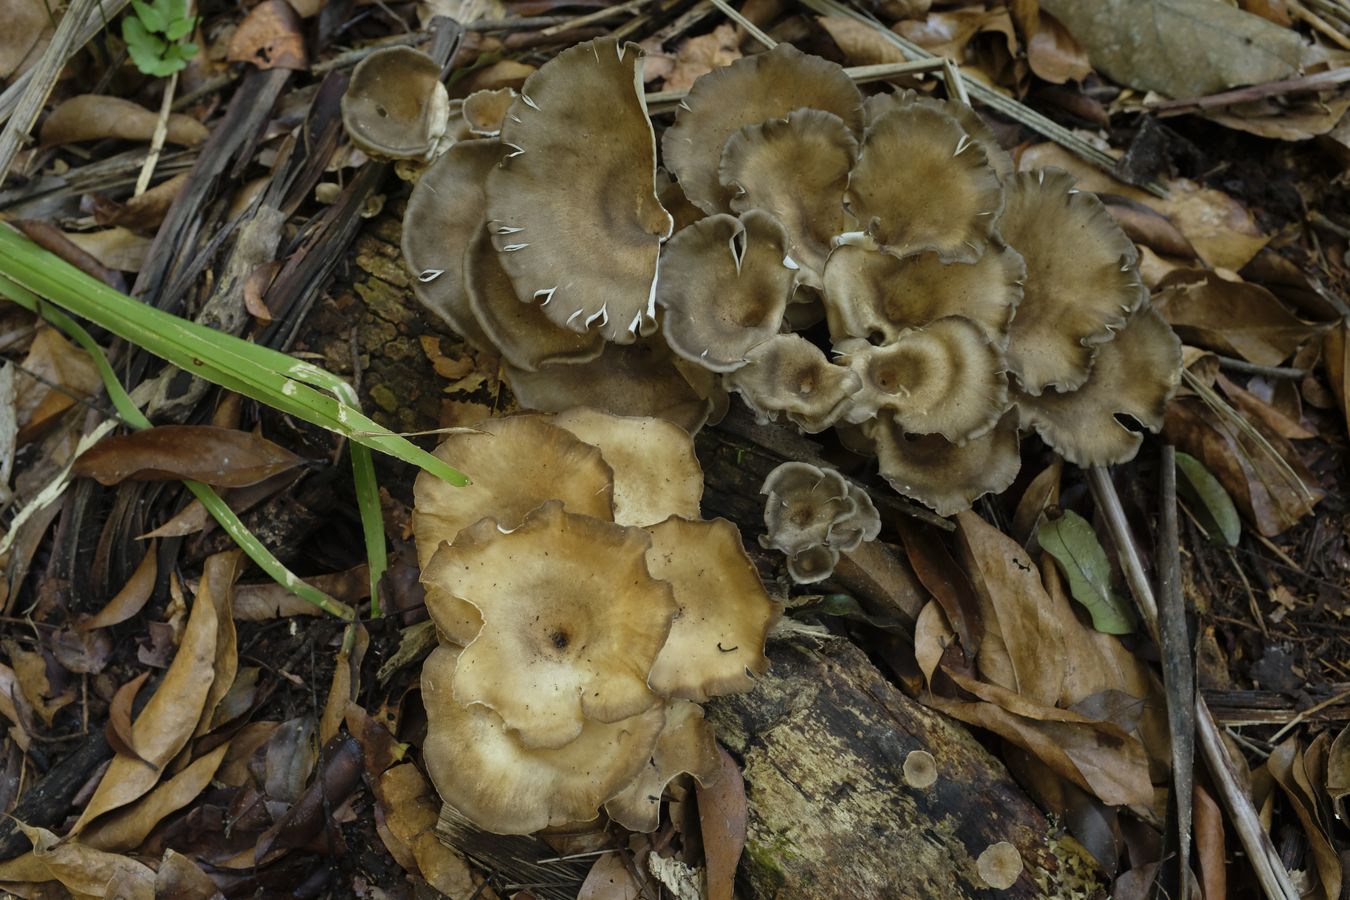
column 750, row 27
column 157, row 140
column 1320, row 82
column 1317, row 22
column 592, row 17
column 1305, row 713
column 1241, row 365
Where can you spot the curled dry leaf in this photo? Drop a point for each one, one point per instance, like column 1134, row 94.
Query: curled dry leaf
column 84, row 870
column 411, row 809
column 180, row 877
column 1054, row 55
column 217, row 587
column 118, row 732
column 339, row 772
column 127, row 828
column 94, row 117
column 256, row 602
column 1231, row 317
column 222, row 457
column 25, row 21
column 697, row 56
column 143, row 212
column 30, row 667
column 270, row 37
column 133, row 595
column 54, row 360
column 722, row 815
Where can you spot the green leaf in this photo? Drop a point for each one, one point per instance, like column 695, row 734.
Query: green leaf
column 134, row 33
column 152, row 17
column 1208, row 500
column 179, row 28
column 1079, row 555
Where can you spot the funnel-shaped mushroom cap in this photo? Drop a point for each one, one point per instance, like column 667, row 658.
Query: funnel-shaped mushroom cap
column 803, row 506
column 716, row 642
column 686, row 745
column 863, row 524
column 573, row 209
column 638, row 380
column 877, row 296
column 724, row 285
column 517, row 464
column 797, row 169
column 485, row 111
column 481, row 769
column 572, row 622
column 521, row 332
column 656, row 474
column 945, row 378
column 1082, row 279
column 1134, row 375
column 922, row 183
column 788, row 374
column 750, row 90
column 395, row 106
column 941, row 475
column 442, row 217
column 812, row 564
column 877, row 105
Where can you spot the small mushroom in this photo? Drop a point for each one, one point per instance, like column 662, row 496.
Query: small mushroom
column 724, row 285
column 804, row 503
column 790, row 375
column 1133, row 375
column 482, row 769
column 1000, row 865
column 939, row 474
column 723, row 615
column 863, row 524
column 876, row 296
column 686, row 746
column 572, row 622
column 395, row 106
column 1082, row 279
column 485, row 110
column 573, row 209
column 877, row 105
column 945, row 378
column 752, row 89
column 796, row 169
column 813, row 564
column 922, row 183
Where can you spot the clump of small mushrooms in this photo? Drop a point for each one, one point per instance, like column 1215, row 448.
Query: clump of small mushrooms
column 812, row 515
column 962, row 303
column 585, row 610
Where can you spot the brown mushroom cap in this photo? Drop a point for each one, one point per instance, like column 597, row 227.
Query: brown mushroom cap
column 939, row 474
column 481, row 769
column 716, row 642
column 812, row 564
column 1000, row 865
column 572, row 622
column 521, row 332
column 573, row 209
column 796, row 169
column 485, row 110
column 753, row 89
column 656, row 474
column 945, row 378
column 395, row 105
column 804, row 504
column 439, row 224
column 1134, row 375
column 724, row 285
column 1082, row 279
column 641, row 379
column 877, row 105
column 863, row 524
column 922, row 183
column 788, row 374
column 686, row 745
column 877, row 296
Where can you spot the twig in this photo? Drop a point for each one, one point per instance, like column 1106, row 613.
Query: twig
column 1305, row 713
column 1304, row 14
column 593, row 17
column 1320, row 82
column 1247, row 368
column 157, row 140
column 750, row 27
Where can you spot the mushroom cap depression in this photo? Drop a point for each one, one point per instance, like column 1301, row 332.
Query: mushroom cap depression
column 804, row 503
column 939, row 474
column 484, row 111
column 788, row 374
column 877, row 105
column 573, row 208
column 395, row 106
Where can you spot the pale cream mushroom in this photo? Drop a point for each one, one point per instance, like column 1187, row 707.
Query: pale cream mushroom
column 395, row 106
column 572, row 622
column 1082, row 279
column 922, row 183
column 481, row 768
column 573, row 208
column 1134, row 375
column 485, row 110
column 724, row 285
column 753, row 89
column 686, row 746
column 939, row 474
column 789, row 375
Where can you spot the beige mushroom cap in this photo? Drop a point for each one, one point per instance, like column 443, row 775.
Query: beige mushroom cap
column 724, row 285
column 796, row 169
column 656, row 474
column 716, row 642
column 804, row 504
column 863, row 524
column 1134, row 375
column 480, row 768
column 572, row 622
column 686, row 745
column 922, row 183
column 945, row 378
column 521, row 332
column 812, row 564
column 752, row 89
column 877, row 296
column 573, row 209
column 939, row 474
column 484, row 111
column 395, row 106
column 790, row 375
column 877, row 105
column 1082, row 279
column 441, row 219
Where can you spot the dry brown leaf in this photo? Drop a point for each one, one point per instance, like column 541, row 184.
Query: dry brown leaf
column 133, row 595
column 118, row 730
column 234, row 770
column 1210, row 850
column 1148, row 226
column 1231, row 317
column 1336, row 354
column 94, row 117
column 141, row 213
column 255, row 290
column 1284, row 119
column 222, row 457
column 503, row 73
column 1222, row 230
column 721, row 815
column 129, row 826
column 699, row 55
column 1041, row 494
column 411, row 809
column 25, row 21
column 14, row 707
column 1287, row 764
column 116, row 248
column 179, row 878
column 56, row 361
column 860, row 43
column 190, row 520
column 256, row 602
column 85, row 870
column 270, row 37
column 168, row 719
column 30, row 667
column 610, row 879
column 346, row 680
column 219, row 574
column 938, row 572
column 1254, row 408
column 1054, row 55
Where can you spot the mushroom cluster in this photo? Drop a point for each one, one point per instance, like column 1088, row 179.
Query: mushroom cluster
column 812, row 515
column 872, row 265
column 585, row 610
